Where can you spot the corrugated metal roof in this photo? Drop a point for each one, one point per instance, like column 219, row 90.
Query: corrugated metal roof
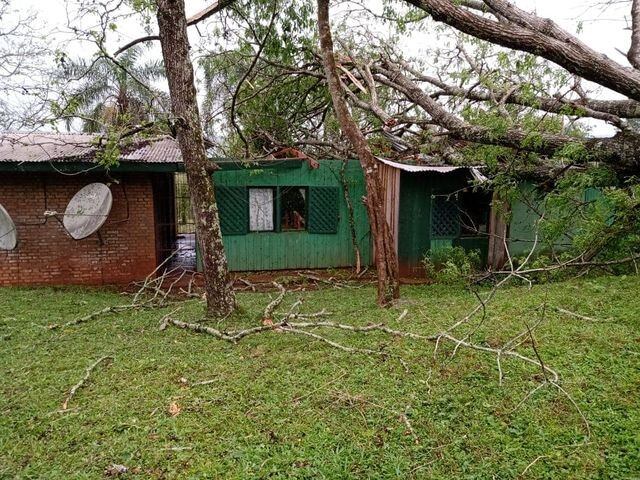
column 57, row 147
column 428, row 168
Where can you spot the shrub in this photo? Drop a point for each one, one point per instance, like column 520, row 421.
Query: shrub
column 451, row 265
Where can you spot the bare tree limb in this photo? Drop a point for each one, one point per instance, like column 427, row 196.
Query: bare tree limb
column 203, row 14
column 270, row 308
column 615, row 150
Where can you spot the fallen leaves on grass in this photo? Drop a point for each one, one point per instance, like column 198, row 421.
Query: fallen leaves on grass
column 174, row 409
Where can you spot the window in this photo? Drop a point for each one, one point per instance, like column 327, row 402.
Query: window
column 293, row 208
column 244, row 209
column 474, row 209
column 261, row 210
column 464, row 214
column 444, row 217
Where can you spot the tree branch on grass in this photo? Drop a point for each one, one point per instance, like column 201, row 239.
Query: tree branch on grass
column 83, row 380
column 152, row 287
column 270, row 308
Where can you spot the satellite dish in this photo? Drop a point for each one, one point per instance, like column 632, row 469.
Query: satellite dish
column 88, row 210
column 8, row 233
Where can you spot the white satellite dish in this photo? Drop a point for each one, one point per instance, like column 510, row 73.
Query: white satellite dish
column 88, row 210
column 8, row 232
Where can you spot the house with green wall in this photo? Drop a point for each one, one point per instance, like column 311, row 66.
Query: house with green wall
column 430, row 207
column 292, row 214
column 275, row 214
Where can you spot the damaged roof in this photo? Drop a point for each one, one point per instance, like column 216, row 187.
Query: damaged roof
column 81, row 147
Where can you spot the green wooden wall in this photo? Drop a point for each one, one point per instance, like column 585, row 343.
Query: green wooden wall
column 525, row 212
column 300, row 249
column 523, row 220
column 416, row 217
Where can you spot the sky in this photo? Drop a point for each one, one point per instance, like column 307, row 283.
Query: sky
column 605, row 31
column 602, row 31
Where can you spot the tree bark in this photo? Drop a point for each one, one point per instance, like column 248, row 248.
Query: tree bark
column 634, row 51
column 498, row 232
column 385, row 255
column 172, row 25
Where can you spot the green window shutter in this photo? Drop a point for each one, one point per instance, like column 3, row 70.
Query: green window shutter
column 445, row 221
column 324, row 210
column 233, row 210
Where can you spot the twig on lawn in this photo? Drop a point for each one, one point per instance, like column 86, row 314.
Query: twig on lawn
column 149, row 277
column 204, row 382
column 539, row 457
column 528, row 396
column 270, row 308
column 535, row 350
column 331, row 281
column 365, row 270
column 295, row 323
column 158, row 300
column 322, row 387
column 247, row 283
column 581, row 317
column 299, row 328
column 354, row 400
column 92, row 315
column 500, row 375
column 339, row 346
column 232, row 337
column 164, row 321
column 578, row 409
column 405, row 420
column 82, row 381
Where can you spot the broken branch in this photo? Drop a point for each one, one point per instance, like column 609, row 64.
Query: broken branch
column 82, row 381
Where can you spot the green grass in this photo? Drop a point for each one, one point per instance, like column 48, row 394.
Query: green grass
column 282, row 406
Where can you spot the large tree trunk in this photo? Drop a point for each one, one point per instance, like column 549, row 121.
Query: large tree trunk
column 498, row 233
column 385, row 255
column 634, row 51
column 172, row 24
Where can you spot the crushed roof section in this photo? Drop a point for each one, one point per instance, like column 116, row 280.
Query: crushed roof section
column 72, row 147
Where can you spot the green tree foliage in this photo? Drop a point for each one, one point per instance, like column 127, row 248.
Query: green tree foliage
column 106, row 94
column 259, row 104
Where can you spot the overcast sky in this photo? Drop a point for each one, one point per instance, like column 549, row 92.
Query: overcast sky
column 605, row 31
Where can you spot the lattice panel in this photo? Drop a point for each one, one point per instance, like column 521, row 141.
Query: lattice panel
column 323, row 209
column 444, row 218
column 233, row 208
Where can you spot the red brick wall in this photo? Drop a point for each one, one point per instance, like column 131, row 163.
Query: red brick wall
column 46, row 254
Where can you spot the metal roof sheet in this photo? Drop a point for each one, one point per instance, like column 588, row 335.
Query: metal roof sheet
column 429, row 168
column 56, row 147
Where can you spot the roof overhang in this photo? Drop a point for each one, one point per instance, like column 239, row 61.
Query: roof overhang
column 89, row 167
column 475, row 171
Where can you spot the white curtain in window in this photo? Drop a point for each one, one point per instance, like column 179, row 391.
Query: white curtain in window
column 260, row 209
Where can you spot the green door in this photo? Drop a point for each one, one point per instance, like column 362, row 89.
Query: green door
column 414, row 233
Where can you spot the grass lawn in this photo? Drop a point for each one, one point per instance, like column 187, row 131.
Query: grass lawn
column 285, row 406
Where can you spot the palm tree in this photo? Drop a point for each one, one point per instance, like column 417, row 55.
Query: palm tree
column 106, row 94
